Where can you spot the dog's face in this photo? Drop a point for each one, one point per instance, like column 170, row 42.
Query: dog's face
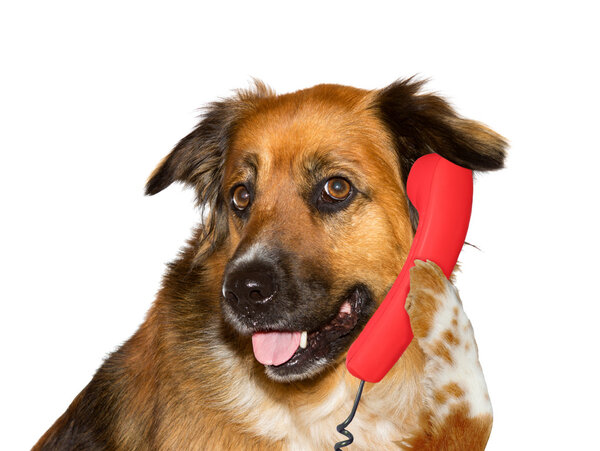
column 318, row 226
column 307, row 201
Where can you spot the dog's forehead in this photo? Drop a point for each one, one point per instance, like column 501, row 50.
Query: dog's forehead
column 326, row 124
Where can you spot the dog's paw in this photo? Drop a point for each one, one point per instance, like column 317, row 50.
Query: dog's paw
column 438, row 320
column 428, row 290
column 455, row 383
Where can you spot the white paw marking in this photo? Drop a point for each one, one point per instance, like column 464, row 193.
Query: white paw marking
column 464, row 369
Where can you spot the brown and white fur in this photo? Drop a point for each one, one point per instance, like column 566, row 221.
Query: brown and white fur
column 188, row 379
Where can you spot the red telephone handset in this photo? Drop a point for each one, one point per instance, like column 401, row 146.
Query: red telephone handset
column 442, row 193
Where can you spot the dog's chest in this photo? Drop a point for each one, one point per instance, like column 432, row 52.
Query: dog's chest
column 313, row 426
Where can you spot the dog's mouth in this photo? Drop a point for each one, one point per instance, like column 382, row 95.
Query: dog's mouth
column 291, row 355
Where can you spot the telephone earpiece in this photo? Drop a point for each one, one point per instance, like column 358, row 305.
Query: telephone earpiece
column 442, row 193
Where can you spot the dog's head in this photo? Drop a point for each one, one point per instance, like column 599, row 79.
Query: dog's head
column 306, row 198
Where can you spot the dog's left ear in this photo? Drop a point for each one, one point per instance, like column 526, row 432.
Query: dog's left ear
column 424, row 123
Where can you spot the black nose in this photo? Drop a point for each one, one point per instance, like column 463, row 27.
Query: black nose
column 250, row 285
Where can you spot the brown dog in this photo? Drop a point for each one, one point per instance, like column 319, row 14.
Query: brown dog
column 307, row 228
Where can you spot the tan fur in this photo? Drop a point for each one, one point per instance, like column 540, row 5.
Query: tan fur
column 324, row 124
column 185, row 380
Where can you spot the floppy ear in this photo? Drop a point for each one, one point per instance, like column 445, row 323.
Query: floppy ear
column 425, row 123
column 198, row 161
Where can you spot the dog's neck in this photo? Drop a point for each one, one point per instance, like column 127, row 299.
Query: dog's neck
column 307, row 412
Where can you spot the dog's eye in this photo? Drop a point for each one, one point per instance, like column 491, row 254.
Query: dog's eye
column 241, row 197
column 336, row 189
column 333, row 194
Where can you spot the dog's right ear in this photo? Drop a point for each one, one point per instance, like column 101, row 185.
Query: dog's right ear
column 198, row 161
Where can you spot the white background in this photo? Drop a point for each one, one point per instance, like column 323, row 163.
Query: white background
column 92, row 96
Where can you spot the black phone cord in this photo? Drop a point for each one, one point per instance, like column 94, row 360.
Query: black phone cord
column 341, row 428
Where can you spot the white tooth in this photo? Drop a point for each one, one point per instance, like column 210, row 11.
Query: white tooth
column 303, row 339
column 346, row 308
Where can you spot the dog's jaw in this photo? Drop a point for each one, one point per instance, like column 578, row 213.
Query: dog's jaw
column 325, row 342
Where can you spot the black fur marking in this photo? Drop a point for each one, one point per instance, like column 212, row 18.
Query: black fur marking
column 86, row 425
column 425, row 123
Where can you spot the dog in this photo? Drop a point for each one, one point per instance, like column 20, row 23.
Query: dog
column 306, row 226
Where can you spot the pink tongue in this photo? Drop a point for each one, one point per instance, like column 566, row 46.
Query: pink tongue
column 275, row 348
